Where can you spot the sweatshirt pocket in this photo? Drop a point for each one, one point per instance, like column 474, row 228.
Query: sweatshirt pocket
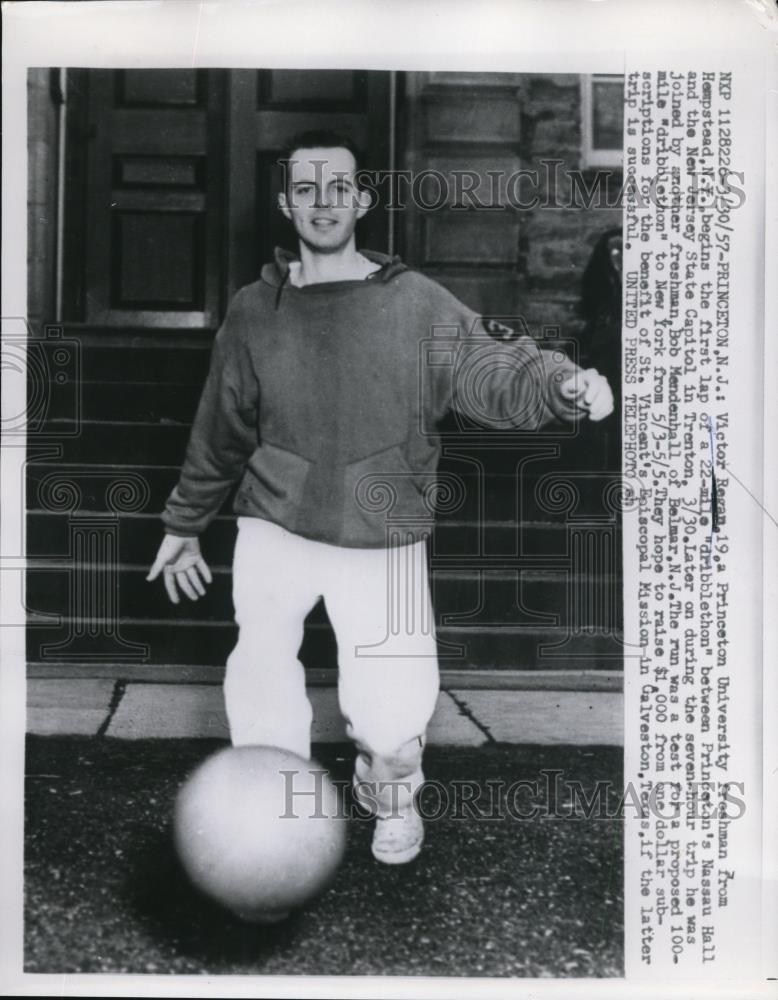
column 381, row 490
column 273, row 484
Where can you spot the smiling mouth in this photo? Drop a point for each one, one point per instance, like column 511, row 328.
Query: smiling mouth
column 325, row 223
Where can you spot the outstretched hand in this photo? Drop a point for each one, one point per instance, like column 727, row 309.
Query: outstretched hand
column 590, row 392
column 181, row 563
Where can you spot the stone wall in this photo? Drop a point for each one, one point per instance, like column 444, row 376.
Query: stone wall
column 539, row 274
column 559, row 241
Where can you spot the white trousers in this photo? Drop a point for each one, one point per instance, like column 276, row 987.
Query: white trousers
column 379, row 605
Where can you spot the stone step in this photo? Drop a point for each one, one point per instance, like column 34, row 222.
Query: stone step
column 131, row 402
column 453, row 544
column 496, row 598
column 573, row 679
column 209, row 643
column 136, row 361
column 584, row 451
column 543, row 492
column 114, row 355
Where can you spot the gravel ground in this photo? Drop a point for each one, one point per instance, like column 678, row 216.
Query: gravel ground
column 487, row 897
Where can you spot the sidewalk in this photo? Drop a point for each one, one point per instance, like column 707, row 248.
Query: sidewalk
column 466, row 715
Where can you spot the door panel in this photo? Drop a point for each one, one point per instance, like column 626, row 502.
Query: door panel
column 140, row 240
column 313, row 88
column 153, row 88
column 155, row 189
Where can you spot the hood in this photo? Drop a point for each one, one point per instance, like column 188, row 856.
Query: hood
column 276, row 272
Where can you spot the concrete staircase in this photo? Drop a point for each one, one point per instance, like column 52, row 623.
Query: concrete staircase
column 523, row 579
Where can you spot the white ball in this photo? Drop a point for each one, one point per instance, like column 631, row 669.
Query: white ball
column 259, row 830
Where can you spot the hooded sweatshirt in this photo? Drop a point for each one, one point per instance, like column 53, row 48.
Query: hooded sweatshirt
column 325, row 401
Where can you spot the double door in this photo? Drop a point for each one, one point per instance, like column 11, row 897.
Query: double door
column 173, row 179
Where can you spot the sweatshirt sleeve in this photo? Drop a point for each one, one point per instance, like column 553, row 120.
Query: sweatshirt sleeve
column 224, row 433
column 496, row 378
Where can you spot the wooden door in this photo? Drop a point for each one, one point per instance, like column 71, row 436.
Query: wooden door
column 464, row 233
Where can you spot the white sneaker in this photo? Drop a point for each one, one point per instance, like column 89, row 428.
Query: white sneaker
column 397, row 839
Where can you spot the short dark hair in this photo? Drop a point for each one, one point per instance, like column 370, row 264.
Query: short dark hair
column 321, row 138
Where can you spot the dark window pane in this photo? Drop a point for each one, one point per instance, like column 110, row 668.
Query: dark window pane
column 607, row 113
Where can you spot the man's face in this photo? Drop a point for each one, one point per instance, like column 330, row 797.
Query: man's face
column 322, row 199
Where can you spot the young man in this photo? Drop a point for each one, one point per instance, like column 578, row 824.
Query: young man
column 319, row 398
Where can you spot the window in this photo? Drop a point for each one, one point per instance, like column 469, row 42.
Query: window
column 602, row 120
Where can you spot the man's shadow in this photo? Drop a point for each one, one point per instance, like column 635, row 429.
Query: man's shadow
column 170, row 908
